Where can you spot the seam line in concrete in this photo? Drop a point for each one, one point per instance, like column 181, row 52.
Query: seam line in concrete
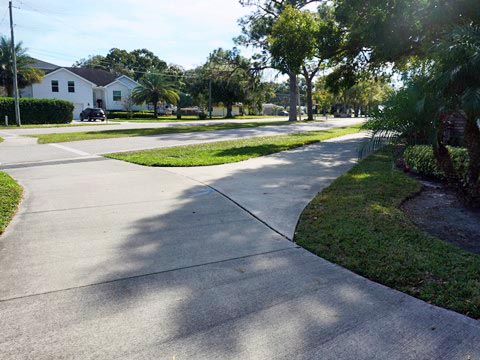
column 234, row 202
column 69, row 149
column 25, row 164
column 6, row 134
column 149, row 274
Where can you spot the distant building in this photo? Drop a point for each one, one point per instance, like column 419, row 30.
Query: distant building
column 82, row 86
column 271, row 109
column 222, row 110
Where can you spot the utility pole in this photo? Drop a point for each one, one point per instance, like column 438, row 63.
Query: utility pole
column 14, row 60
column 210, row 98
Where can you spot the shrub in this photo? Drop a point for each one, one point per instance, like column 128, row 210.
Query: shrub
column 132, row 115
column 421, row 159
column 37, row 111
column 202, row 115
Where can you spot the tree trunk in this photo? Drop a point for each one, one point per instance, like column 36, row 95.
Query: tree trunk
column 9, row 88
column 293, row 96
column 472, row 142
column 444, row 160
column 155, row 113
column 356, row 110
column 229, row 111
column 308, row 81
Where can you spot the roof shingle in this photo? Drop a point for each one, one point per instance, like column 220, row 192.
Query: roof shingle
column 97, row 76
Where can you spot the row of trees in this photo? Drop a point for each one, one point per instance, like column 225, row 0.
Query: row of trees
column 434, row 43
column 226, row 75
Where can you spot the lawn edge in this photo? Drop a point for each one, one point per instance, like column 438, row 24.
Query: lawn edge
column 455, row 250
column 10, row 216
column 355, row 129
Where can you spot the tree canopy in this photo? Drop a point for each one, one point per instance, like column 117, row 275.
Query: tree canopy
column 155, row 88
column 135, row 63
column 26, row 75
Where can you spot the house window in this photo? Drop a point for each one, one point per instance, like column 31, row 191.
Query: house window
column 117, row 95
column 71, row 86
column 54, row 85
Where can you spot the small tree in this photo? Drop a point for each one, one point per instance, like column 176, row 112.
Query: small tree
column 26, row 75
column 457, row 80
column 292, row 42
column 128, row 102
column 153, row 89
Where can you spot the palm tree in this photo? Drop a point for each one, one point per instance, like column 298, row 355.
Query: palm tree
column 457, row 80
column 155, row 88
column 26, row 74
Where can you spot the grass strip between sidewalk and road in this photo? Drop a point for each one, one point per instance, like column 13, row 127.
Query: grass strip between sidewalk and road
column 230, row 151
column 48, row 126
column 110, row 134
column 10, row 196
column 193, row 118
column 357, row 223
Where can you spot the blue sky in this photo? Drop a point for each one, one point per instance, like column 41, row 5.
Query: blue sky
column 183, row 32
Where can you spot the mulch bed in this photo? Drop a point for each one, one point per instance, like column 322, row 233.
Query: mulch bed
column 438, row 211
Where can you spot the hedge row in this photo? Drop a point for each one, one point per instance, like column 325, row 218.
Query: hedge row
column 135, row 115
column 421, row 159
column 37, row 111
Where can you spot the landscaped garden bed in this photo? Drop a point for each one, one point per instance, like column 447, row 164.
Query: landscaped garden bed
column 358, row 223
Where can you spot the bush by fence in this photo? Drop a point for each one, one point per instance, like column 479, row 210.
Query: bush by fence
column 37, row 111
column 421, row 159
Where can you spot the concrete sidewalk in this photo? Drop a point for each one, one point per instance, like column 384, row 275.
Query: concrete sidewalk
column 112, row 260
column 277, row 188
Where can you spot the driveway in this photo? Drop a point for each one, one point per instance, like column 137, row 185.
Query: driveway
column 110, row 260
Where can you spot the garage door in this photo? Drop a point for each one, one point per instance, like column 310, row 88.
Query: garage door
column 77, row 110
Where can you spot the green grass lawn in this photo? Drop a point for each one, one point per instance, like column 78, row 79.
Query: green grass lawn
column 10, row 195
column 357, row 223
column 193, row 118
column 41, row 126
column 1, row 139
column 108, row 134
column 223, row 152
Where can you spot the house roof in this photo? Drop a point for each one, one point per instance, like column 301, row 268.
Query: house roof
column 42, row 65
column 97, row 76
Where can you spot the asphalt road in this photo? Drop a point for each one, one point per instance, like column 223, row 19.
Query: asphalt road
column 21, row 149
column 111, row 260
column 125, row 125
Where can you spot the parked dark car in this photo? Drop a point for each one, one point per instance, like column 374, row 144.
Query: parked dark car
column 93, row 114
column 283, row 113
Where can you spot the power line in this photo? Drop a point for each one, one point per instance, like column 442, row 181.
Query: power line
column 135, row 69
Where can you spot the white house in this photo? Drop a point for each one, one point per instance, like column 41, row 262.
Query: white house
column 83, row 87
column 222, row 110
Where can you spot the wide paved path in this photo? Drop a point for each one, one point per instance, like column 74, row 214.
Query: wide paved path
column 110, row 260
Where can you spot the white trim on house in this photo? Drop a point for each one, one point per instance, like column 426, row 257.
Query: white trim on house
column 71, row 73
column 86, row 92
